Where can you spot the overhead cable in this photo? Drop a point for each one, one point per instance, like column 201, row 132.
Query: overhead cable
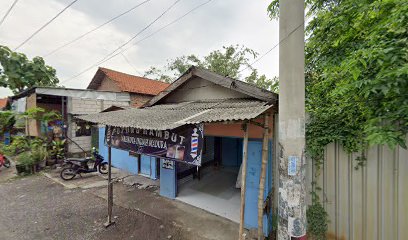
column 45, row 25
column 148, row 36
column 8, row 12
column 125, row 43
column 270, row 50
column 94, row 29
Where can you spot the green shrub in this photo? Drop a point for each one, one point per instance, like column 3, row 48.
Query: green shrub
column 25, row 159
column 39, row 154
column 317, row 221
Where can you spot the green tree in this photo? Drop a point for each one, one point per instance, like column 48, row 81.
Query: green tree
column 229, row 61
column 7, row 120
column 356, row 72
column 18, row 73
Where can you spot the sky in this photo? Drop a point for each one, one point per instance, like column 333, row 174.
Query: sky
column 215, row 24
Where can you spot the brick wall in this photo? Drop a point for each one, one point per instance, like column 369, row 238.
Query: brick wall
column 79, row 106
column 89, row 106
column 138, row 100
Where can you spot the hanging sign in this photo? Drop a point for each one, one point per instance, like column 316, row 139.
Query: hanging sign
column 184, row 144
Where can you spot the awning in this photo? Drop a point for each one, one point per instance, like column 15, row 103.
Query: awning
column 170, row 116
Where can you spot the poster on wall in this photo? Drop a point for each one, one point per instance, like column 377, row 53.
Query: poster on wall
column 183, row 144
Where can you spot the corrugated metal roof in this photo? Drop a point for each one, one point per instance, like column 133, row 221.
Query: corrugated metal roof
column 169, row 116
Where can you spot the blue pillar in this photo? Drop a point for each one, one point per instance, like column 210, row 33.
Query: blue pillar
column 102, row 148
column 168, row 180
column 7, row 139
column 153, row 167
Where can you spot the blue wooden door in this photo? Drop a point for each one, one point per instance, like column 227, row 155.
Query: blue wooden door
column 145, row 165
column 252, row 185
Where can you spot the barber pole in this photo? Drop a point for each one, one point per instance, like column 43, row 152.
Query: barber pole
column 194, row 144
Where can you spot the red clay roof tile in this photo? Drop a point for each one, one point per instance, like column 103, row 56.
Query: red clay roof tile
column 3, row 103
column 135, row 84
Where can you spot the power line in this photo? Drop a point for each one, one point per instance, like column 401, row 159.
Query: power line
column 45, row 25
column 271, row 49
column 148, row 36
column 130, row 64
column 165, row 26
column 94, row 29
column 122, row 45
column 8, row 12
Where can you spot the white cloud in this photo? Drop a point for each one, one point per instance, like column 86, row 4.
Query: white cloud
column 221, row 22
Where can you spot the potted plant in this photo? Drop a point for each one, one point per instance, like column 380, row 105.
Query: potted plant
column 25, row 163
column 58, row 150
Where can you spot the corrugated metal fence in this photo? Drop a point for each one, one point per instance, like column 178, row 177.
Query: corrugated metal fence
column 368, row 203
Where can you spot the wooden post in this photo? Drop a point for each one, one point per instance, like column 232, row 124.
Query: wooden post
column 263, row 176
column 110, row 188
column 243, row 180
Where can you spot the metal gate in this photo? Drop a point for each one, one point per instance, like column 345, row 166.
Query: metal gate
column 368, row 203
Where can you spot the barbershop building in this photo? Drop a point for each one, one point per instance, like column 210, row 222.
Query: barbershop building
column 208, row 139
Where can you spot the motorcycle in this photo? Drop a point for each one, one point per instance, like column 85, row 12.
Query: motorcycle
column 76, row 166
column 4, row 161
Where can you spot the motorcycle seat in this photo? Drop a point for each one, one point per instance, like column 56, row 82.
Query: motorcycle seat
column 78, row 159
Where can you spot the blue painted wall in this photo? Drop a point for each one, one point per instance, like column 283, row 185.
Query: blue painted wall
column 168, row 181
column 252, row 185
column 120, row 158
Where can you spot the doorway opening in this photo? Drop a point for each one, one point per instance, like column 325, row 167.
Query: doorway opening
column 213, row 186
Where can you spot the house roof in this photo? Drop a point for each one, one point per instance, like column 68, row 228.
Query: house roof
column 158, row 116
column 170, row 116
column 3, row 103
column 234, row 84
column 73, row 92
column 128, row 83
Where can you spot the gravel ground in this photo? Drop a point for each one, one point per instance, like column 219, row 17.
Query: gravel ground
column 35, row 207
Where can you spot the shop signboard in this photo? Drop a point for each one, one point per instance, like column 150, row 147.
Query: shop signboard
column 183, row 144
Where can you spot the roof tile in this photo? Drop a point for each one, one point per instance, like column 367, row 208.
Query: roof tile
column 3, row 103
column 135, row 84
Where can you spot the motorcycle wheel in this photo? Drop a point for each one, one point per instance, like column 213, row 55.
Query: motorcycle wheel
column 103, row 168
column 67, row 173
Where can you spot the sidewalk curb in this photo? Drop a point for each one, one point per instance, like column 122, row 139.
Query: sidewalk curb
column 66, row 185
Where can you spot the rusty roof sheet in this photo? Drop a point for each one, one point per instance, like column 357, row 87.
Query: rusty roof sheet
column 169, row 116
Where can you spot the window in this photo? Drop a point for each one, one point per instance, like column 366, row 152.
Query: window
column 82, row 128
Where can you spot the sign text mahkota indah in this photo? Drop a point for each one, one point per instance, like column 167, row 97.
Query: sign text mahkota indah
column 184, row 143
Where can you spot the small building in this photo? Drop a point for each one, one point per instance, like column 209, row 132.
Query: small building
column 140, row 89
column 69, row 103
column 232, row 115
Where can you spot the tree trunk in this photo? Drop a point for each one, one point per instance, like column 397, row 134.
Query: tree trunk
column 263, row 176
column 243, row 180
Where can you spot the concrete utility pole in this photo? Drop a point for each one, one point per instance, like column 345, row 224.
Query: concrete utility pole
column 292, row 186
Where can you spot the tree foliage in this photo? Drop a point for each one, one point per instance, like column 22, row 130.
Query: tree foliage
column 356, row 73
column 7, row 120
column 17, row 72
column 229, row 61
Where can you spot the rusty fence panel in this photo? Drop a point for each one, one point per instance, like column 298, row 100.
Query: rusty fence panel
column 369, row 203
